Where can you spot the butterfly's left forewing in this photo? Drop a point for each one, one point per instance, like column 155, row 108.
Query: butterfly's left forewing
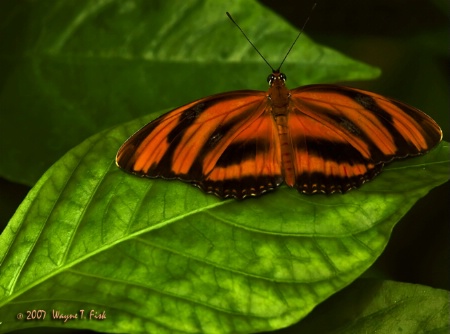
column 225, row 144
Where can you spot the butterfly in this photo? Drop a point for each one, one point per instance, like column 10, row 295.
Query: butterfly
column 317, row 139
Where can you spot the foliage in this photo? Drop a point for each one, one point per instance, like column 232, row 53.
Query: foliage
column 161, row 256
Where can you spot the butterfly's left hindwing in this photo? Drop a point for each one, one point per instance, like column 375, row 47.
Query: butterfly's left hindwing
column 225, row 144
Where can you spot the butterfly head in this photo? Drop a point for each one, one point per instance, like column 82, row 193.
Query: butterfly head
column 276, row 77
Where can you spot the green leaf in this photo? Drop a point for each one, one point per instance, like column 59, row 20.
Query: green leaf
column 162, row 256
column 371, row 306
column 72, row 68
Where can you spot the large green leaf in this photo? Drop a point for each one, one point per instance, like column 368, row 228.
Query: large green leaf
column 71, row 68
column 162, row 256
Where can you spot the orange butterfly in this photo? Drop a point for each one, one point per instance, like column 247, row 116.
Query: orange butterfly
column 316, row 138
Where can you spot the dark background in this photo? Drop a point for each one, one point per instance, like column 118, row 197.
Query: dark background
column 408, row 40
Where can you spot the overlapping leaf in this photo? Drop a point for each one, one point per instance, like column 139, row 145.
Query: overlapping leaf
column 375, row 306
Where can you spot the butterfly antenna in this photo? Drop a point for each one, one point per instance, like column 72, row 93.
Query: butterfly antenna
column 243, row 33
column 301, row 31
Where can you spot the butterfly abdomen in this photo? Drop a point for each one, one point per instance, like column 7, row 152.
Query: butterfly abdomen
column 287, row 161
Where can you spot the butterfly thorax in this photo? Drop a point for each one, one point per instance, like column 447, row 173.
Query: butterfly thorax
column 278, row 93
